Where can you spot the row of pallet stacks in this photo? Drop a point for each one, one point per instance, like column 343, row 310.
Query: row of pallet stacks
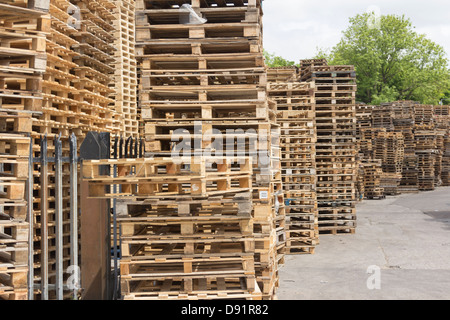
column 202, row 90
column 23, row 32
column 409, row 139
column 295, row 101
column 335, row 110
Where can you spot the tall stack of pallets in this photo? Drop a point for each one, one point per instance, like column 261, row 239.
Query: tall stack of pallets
column 14, row 221
column 187, row 232
column 296, row 116
column 445, row 173
column 23, row 44
column 373, row 172
column 442, row 119
column 61, row 56
column 426, row 145
column 335, row 91
column 403, row 120
column 202, row 90
column 125, row 72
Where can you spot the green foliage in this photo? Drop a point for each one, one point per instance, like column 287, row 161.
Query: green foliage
column 446, row 98
column 392, row 62
column 274, row 61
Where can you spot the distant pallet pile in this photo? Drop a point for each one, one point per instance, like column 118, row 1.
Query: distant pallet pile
column 445, row 175
column 298, row 137
column 409, row 138
column 14, row 226
column 306, row 64
column 373, row 172
column 335, row 91
column 202, row 89
column 188, row 233
column 282, row 74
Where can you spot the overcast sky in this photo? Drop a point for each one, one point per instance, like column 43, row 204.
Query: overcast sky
column 295, row 28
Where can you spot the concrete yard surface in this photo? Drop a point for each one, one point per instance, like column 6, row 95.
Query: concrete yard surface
column 401, row 250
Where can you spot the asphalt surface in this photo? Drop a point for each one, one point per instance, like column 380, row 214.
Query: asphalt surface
column 400, row 251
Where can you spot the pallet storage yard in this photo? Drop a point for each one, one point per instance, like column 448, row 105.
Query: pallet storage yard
column 146, row 144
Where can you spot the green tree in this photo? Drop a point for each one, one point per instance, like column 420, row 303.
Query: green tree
column 392, row 61
column 274, row 61
column 446, row 98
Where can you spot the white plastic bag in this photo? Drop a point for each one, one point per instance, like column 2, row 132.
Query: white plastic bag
column 189, row 16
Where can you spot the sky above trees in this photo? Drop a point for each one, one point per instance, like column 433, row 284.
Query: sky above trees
column 295, row 29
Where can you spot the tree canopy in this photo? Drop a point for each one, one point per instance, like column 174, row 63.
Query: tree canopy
column 392, row 61
column 274, row 61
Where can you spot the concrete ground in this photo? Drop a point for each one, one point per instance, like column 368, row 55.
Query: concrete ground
column 407, row 237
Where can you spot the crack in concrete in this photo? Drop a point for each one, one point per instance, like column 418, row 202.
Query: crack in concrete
column 384, row 255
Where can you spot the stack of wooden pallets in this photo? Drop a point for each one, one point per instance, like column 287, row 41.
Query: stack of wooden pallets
column 14, row 226
column 442, row 168
column 390, row 150
column 403, row 112
column 372, row 171
column 445, row 173
column 188, row 231
column 334, row 94
column 24, row 26
column 382, row 117
column 282, row 74
column 426, row 149
column 125, row 73
column 296, row 116
column 95, row 64
column 202, row 89
column 363, row 123
column 23, row 31
column 425, row 145
column 58, row 64
column 306, row 64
